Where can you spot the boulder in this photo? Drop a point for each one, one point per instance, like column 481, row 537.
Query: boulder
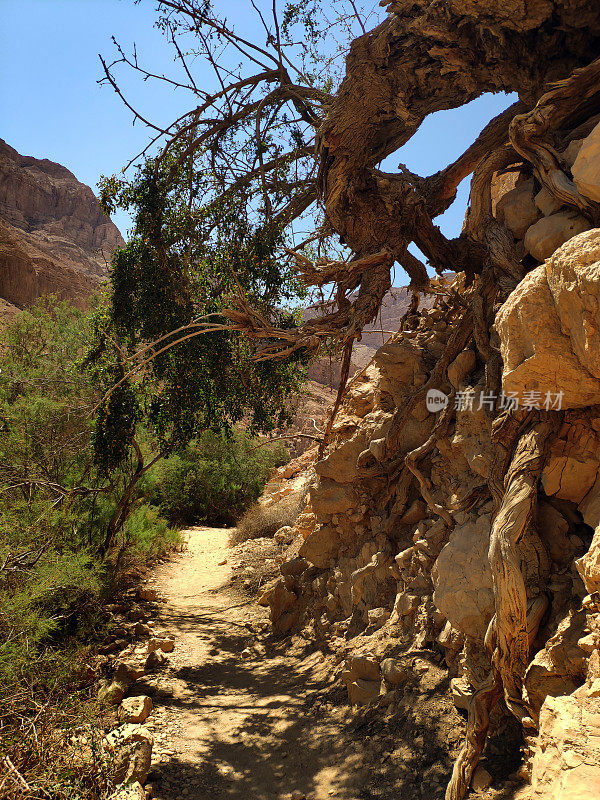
column 157, row 643
column 517, row 210
column 393, row 672
column 131, row 749
column 112, row 692
column 136, row 709
column 361, row 692
column 586, row 169
column 328, row 497
column 320, row 546
column 463, row 580
column 156, row 659
column 131, row 791
column 404, row 606
column 549, row 233
column 147, row 594
column 588, row 565
column 566, row 763
column 548, row 328
column 547, row 203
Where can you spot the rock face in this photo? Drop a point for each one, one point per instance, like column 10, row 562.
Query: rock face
column 565, row 766
column 549, row 326
column 54, row 236
column 463, row 579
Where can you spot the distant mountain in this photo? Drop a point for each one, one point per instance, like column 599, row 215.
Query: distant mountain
column 54, row 236
column 327, row 370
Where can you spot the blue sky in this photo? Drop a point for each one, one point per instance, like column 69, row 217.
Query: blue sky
column 51, row 105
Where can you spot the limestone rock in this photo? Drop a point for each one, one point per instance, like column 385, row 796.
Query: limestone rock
column 404, row 606
column 166, row 645
column 378, row 616
column 393, row 672
column 544, row 345
column 586, row 169
column 547, row 203
column 572, row 151
column 328, row 497
column 361, row 692
column 517, row 210
column 131, row 791
column 588, row 565
column 112, row 692
column 559, row 667
column 566, row 764
column 363, row 667
column 156, row 659
column 136, row 709
column 549, row 233
column 462, row 578
column 146, row 593
column 284, row 535
column 320, row 546
column 131, row 750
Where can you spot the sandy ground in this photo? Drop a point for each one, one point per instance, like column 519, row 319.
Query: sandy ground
column 242, row 716
column 230, row 712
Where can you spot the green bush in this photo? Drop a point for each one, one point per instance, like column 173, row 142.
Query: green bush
column 215, row 479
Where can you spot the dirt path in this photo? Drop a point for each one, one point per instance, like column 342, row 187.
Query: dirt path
column 232, row 710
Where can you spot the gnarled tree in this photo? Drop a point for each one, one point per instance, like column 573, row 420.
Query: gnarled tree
column 281, row 142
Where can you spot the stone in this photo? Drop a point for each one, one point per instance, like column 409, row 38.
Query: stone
column 559, row 667
column 547, row 203
column 363, row 667
column 549, row 233
column 463, row 365
column 553, row 529
column 405, row 605
column 361, row 691
column 393, row 672
column 378, row 616
column 131, row 791
column 517, row 210
column 572, row 151
column 481, row 779
column 164, row 644
column 463, row 580
column 112, row 692
column 566, row 762
column 156, row 659
column 328, row 497
column 462, row 692
column 128, row 671
column 147, row 594
column 586, row 168
column 136, row 709
column 295, row 566
column 320, row 546
column 548, row 327
column 588, row 565
column 284, row 535
column 131, row 749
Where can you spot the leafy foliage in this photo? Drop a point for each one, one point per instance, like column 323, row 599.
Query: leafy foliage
column 215, row 479
column 180, row 266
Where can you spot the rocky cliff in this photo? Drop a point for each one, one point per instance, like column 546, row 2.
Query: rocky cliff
column 450, row 495
column 54, row 236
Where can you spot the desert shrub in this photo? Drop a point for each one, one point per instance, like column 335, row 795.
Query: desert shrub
column 214, row 479
column 264, row 521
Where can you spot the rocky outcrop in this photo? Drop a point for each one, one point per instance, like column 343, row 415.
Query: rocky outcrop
column 549, row 327
column 399, row 544
column 54, row 236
